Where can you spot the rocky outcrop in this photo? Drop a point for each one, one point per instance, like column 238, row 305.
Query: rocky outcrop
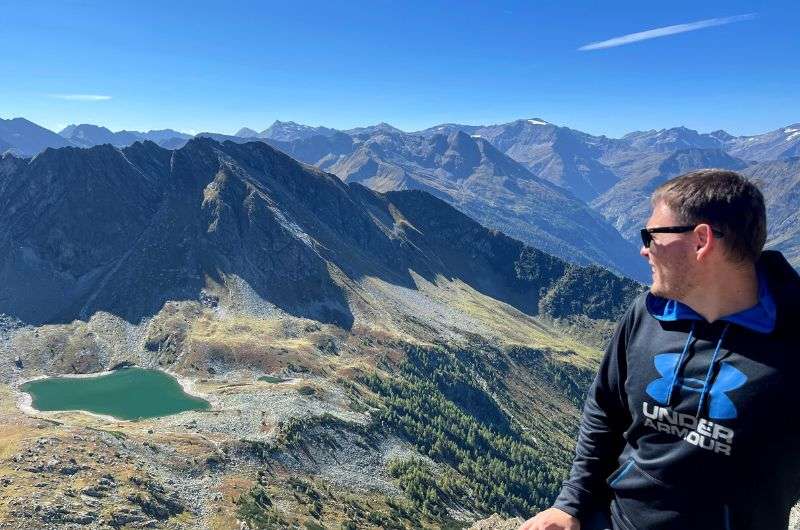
column 496, row 522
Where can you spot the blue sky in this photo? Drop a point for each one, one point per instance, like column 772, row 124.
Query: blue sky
column 217, row 66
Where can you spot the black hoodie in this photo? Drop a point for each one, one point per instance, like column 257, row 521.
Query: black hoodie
column 695, row 425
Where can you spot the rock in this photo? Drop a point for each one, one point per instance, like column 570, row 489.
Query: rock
column 126, row 516
column 94, row 491
column 156, row 501
column 104, row 485
column 70, row 470
column 123, row 364
column 495, row 522
column 80, row 518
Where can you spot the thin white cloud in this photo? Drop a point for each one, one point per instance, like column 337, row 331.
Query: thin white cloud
column 665, row 31
column 80, row 97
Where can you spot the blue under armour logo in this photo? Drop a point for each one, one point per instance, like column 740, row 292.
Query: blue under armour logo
column 720, row 407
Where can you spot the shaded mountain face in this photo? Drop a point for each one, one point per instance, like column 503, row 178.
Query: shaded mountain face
column 471, row 174
column 124, row 231
column 779, row 181
column 87, row 135
column 627, row 204
column 25, row 138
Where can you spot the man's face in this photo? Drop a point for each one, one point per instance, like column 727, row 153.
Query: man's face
column 671, row 256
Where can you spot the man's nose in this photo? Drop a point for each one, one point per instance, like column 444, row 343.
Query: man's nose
column 644, row 252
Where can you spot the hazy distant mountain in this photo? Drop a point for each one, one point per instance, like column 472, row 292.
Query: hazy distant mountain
column 372, row 129
column 774, row 145
column 161, row 135
column 779, row 180
column 244, row 132
column 627, row 204
column 447, row 128
column 721, row 135
column 322, row 151
column 287, row 131
column 669, row 140
column 217, row 137
column 25, row 138
column 87, row 135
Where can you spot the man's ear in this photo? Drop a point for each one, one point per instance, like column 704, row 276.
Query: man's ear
column 704, row 241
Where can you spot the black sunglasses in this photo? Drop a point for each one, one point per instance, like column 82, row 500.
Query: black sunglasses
column 647, row 233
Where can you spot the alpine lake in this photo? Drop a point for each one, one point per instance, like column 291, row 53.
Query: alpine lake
column 128, row 393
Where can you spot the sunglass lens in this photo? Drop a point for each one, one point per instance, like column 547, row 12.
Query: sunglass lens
column 647, row 237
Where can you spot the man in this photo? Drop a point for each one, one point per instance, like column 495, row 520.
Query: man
column 692, row 420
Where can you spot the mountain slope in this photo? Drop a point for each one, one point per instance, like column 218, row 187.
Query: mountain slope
column 675, row 139
column 780, row 182
column 777, row 144
column 563, row 156
column 471, row 174
column 627, row 204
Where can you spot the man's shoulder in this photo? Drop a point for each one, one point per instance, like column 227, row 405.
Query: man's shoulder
column 636, row 310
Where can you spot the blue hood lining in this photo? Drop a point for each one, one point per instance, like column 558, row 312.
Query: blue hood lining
column 760, row 318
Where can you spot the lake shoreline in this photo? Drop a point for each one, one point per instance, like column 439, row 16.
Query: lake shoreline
column 24, row 399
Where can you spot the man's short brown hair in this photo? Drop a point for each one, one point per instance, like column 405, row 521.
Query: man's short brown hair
column 726, row 201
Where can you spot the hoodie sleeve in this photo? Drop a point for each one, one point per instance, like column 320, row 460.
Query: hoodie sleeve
column 600, row 442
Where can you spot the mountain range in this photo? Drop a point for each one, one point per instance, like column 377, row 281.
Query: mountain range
column 542, row 183
column 208, row 212
column 86, row 135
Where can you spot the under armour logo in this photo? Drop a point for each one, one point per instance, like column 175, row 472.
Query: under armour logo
column 720, row 407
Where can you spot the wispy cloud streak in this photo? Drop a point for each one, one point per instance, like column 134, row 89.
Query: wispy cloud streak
column 80, row 97
column 665, row 31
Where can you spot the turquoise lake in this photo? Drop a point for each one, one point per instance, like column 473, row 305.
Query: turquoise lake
column 126, row 394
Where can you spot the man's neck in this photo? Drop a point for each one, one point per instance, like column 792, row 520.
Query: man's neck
column 724, row 293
